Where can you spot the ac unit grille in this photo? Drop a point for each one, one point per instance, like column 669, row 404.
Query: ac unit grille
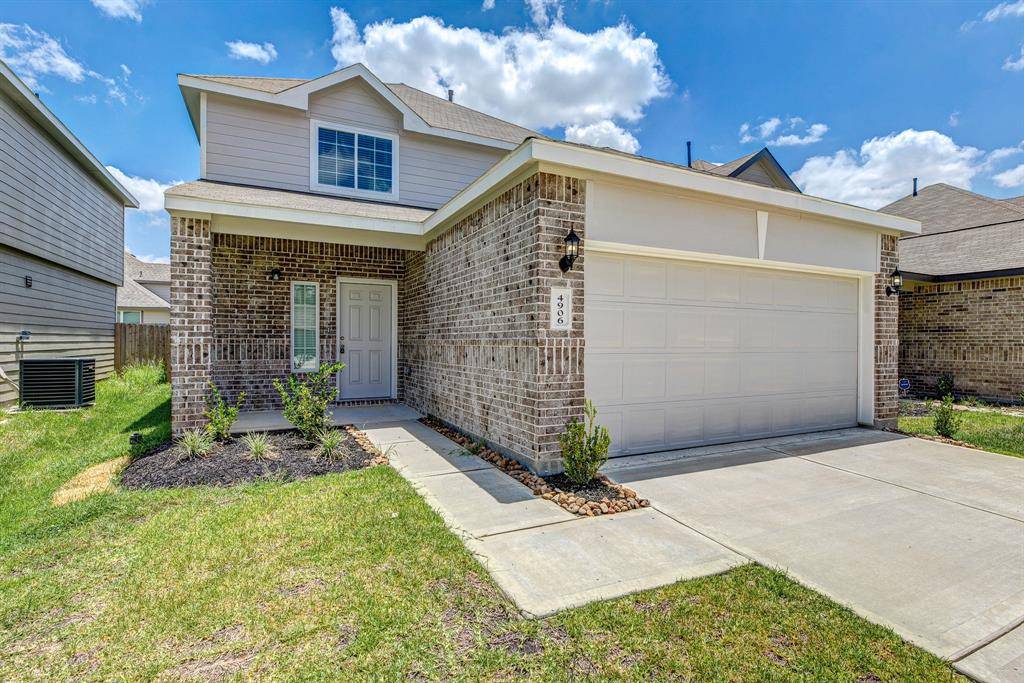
column 57, row 382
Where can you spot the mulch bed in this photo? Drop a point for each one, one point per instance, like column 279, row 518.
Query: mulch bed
column 599, row 496
column 230, row 463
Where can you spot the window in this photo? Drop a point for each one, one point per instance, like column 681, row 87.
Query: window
column 129, row 316
column 305, row 326
column 352, row 161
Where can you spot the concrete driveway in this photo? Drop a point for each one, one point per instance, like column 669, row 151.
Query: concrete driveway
column 922, row 537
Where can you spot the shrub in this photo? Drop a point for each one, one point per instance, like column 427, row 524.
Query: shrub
column 584, row 446
column 259, row 446
column 195, row 443
column 945, row 385
column 305, row 400
column 1020, row 397
column 329, row 443
column 947, row 421
column 220, row 414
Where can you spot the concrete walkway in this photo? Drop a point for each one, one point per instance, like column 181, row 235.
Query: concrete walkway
column 920, row 536
column 544, row 558
column 273, row 420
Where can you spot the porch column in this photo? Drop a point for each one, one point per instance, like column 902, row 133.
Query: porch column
column 191, row 320
column 887, row 344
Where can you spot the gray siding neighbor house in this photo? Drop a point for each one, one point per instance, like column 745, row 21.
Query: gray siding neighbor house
column 61, row 240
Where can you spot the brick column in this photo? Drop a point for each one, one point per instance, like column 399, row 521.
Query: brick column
column 887, row 343
column 191, row 320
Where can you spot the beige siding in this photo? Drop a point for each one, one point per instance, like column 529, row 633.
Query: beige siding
column 260, row 144
column 50, row 206
column 68, row 314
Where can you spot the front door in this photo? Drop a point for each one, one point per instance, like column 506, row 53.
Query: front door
column 364, row 339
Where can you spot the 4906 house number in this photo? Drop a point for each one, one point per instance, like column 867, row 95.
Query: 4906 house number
column 561, row 308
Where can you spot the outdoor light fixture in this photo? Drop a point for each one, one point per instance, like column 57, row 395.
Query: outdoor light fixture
column 896, row 283
column 572, row 250
column 275, row 275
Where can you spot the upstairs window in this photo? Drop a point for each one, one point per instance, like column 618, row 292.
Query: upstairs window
column 353, row 162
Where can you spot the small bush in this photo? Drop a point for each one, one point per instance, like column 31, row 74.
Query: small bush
column 584, row 446
column 947, row 420
column 329, row 443
column 973, row 402
column 945, row 385
column 195, row 443
column 220, row 414
column 305, row 400
column 1020, row 397
column 259, row 446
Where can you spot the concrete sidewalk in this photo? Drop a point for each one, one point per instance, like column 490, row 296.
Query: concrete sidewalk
column 543, row 557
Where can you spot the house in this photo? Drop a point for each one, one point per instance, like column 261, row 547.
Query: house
column 493, row 278
column 962, row 304
column 145, row 296
column 61, row 240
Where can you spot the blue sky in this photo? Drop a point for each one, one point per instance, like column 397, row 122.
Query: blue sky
column 853, row 98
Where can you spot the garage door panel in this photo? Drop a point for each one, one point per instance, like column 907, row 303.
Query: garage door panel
column 687, row 353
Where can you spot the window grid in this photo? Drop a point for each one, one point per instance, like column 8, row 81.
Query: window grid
column 354, row 160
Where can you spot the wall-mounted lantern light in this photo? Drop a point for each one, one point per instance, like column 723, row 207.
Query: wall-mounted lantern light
column 895, row 283
column 275, row 275
column 572, row 250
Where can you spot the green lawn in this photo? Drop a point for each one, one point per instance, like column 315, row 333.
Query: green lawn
column 345, row 576
column 989, row 430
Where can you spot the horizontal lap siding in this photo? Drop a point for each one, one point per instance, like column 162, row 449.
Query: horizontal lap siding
column 252, row 143
column 68, row 314
column 50, row 206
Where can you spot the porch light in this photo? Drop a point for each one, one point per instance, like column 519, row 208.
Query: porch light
column 572, row 250
column 275, row 275
column 895, row 283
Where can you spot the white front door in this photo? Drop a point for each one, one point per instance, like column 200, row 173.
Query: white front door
column 364, row 338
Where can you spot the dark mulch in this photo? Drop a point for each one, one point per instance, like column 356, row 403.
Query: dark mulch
column 229, row 463
column 594, row 490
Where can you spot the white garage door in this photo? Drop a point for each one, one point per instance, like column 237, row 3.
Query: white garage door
column 682, row 353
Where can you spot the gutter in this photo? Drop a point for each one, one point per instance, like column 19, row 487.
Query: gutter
column 963, row 277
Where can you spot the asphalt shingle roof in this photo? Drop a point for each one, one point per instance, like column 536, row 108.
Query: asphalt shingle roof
column 141, row 271
column 134, row 295
column 436, row 111
column 961, row 232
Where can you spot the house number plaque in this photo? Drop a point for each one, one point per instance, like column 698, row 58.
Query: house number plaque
column 561, row 308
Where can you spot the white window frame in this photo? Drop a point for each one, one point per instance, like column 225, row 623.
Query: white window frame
column 314, row 166
column 120, row 315
column 291, row 326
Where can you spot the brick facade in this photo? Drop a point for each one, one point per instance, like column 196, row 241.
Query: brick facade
column 191, row 320
column 476, row 346
column 972, row 330
column 887, row 404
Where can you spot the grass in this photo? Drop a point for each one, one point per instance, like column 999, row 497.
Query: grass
column 347, row 576
column 987, row 430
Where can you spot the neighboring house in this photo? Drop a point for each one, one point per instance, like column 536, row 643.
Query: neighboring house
column 423, row 244
column 145, row 296
column 61, row 240
column 962, row 305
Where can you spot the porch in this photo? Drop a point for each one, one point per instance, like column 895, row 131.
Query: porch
column 358, row 415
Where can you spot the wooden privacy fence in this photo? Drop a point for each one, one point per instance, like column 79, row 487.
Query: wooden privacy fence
column 138, row 343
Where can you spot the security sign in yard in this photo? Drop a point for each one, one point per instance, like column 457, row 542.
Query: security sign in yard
column 561, row 308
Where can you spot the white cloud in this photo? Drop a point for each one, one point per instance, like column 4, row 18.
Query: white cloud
column 1015, row 63
column 546, row 77
column 150, row 258
column 539, row 11
column 86, row 99
column 149, row 192
column 750, row 133
column 264, row 54
column 997, row 155
column 954, row 119
column 487, row 5
column 33, row 54
column 1005, row 10
column 121, row 9
column 1013, row 177
column 814, row 133
column 603, row 134
column 881, row 171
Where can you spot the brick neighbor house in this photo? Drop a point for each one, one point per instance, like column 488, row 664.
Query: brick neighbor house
column 962, row 305
column 429, row 247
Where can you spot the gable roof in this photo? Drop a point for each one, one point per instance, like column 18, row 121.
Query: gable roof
column 962, row 232
column 141, row 271
column 14, row 88
column 738, row 167
column 132, row 294
column 422, row 112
